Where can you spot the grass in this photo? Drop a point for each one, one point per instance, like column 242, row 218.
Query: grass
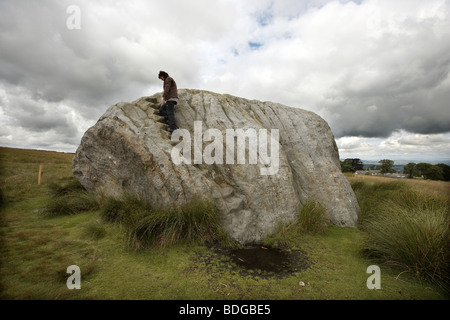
column 311, row 220
column 35, row 252
column 408, row 228
column 370, row 195
column 68, row 198
column 312, row 217
column 145, row 226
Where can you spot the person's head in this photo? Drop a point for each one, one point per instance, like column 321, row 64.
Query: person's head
column 162, row 75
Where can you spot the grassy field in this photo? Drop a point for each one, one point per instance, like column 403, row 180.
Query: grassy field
column 35, row 251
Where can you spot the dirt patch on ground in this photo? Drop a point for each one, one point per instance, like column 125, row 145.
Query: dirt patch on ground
column 258, row 261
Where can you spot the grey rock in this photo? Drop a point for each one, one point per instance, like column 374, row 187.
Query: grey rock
column 128, row 151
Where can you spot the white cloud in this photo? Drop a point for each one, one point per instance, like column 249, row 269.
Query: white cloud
column 370, row 68
column 401, row 145
column 341, row 58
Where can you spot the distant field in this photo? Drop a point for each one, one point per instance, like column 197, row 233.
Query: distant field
column 35, row 252
column 436, row 187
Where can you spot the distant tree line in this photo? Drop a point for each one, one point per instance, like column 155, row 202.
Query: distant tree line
column 439, row 171
column 413, row 170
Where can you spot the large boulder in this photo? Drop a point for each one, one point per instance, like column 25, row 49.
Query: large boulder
column 128, row 151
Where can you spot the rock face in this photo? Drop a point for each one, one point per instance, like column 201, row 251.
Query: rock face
column 128, row 151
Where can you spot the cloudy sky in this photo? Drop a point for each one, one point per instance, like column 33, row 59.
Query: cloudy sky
column 376, row 70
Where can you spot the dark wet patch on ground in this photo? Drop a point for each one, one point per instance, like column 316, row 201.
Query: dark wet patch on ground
column 257, row 261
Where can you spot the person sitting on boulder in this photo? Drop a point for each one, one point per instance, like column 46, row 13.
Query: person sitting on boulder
column 168, row 100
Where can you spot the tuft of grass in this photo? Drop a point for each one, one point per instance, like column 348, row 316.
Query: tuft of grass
column 370, row 195
column 197, row 221
column 407, row 228
column 311, row 221
column 122, row 210
column 72, row 186
column 70, row 198
column 312, row 217
column 95, row 230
